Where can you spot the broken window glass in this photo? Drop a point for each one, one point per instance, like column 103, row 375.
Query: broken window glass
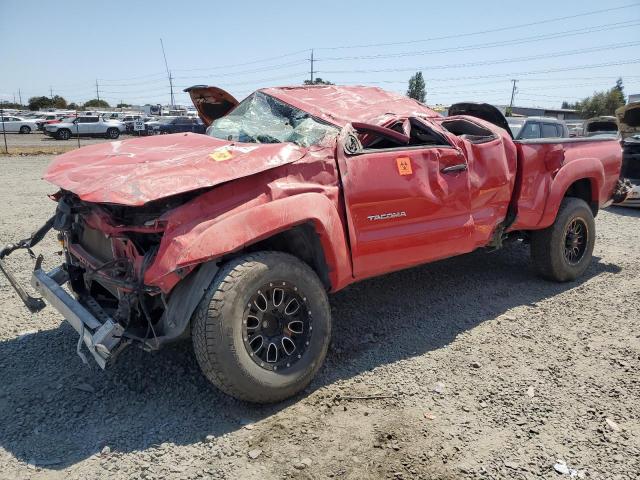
column 261, row 118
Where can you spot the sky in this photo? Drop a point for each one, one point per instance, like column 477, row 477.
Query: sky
column 467, row 50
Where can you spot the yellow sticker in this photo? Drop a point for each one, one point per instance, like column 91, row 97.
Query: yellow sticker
column 220, row 155
column 404, row 165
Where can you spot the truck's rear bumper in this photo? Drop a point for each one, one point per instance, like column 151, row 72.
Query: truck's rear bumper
column 101, row 338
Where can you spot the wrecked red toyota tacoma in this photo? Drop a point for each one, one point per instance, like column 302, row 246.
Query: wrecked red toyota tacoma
column 234, row 238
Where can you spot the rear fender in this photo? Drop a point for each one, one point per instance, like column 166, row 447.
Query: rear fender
column 579, row 169
column 214, row 239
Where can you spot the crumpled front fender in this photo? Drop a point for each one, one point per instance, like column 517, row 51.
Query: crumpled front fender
column 211, row 238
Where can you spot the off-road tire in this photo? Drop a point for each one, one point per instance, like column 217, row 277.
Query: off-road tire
column 548, row 245
column 25, row 129
column 112, row 133
column 63, row 134
column 217, row 328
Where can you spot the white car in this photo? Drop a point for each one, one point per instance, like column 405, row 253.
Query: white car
column 85, row 126
column 13, row 124
column 633, row 198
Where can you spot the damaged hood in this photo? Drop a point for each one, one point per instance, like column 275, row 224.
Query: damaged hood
column 134, row 172
column 628, row 117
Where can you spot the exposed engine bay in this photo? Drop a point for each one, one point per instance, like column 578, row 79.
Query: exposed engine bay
column 107, row 250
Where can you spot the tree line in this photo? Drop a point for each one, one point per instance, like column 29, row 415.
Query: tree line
column 600, row 103
column 43, row 103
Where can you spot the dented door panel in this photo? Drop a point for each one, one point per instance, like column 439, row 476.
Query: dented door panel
column 400, row 219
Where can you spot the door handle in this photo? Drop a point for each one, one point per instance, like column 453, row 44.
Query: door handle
column 454, row 168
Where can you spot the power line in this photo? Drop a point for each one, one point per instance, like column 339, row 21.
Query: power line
column 252, row 62
column 481, row 32
column 580, row 51
column 502, row 43
column 151, row 75
column 255, row 70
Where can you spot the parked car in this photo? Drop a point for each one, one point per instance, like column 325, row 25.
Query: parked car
column 129, row 120
column 49, row 118
column 85, row 126
column 178, row 125
column 537, row 127
column 604, row 125
column 234, row 238
column 17, row 124
column 628, row 118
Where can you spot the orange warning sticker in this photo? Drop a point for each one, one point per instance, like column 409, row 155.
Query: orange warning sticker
column 404, row 165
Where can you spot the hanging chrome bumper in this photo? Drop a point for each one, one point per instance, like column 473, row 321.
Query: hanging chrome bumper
column 100, row 338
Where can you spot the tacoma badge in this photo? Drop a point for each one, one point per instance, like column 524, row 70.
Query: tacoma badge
column 385, row 216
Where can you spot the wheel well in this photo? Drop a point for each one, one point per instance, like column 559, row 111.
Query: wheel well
column 583, row 189
column 301, row 241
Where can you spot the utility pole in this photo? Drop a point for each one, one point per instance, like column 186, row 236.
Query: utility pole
column 171, row 88
column 97, row 90
column 20, row 96
column 51, row 92
column 311, row 73
column 168, row 72
column 513, row 93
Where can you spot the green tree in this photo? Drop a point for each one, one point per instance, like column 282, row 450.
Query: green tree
column 37, row 103
column 123, row 105
column 417, row 88
column 16, row 105
column 73, row 106
column 600, row 103
column 318, row 81
column 95, row 103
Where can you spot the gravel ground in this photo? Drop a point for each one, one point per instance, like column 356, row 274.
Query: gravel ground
column 491, row 373
column 18, row 142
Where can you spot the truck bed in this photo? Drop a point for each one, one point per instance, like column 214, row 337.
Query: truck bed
column 544, row 163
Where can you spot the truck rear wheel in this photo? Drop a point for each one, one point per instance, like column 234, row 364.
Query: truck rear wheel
column 563, row 251
column 262, row 330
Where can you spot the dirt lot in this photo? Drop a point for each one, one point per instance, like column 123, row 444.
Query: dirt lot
column 491, row 373
column 37, row 143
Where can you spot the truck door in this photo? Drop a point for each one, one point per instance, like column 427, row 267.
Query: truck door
column 406, row 203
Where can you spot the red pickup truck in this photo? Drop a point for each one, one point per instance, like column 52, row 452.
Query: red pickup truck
column 235, row 237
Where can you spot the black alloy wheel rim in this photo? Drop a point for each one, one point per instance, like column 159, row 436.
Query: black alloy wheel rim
column 277, row 326
column 575, row 243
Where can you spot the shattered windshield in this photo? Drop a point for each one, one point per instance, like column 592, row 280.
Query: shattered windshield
column 261, row 118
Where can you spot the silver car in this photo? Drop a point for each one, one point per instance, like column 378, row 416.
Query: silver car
column 85, row 126
column 13, row 124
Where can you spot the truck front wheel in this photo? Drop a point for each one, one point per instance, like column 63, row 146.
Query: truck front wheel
column 262, row 330
column 562, row 252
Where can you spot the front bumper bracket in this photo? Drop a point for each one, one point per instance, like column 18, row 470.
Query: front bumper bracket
column 100, row 338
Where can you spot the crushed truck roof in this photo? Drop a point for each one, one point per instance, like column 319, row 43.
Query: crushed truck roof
column 341, row 105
